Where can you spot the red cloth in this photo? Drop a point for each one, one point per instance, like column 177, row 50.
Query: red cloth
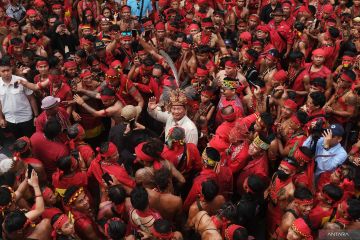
column 47, row 151
column 319, row 216
column 220, row 141
column 49, row 212
column 331, row 53
column 152, row 87
column 280, row 35
column 82, row 222
column 64, row 182
column 238, row 157
column 64, row 93
column 323, row 73
column 235, row 103
column 31, row 160
column 258, row 166
column 87, row 153
column 195, row 191
column 123, row 91
column 193, row 160
column 115, row 169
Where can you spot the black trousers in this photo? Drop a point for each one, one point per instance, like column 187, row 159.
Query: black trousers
column 21, row 129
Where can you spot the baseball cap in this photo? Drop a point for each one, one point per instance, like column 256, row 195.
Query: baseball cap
column 49, row 102
column 337, row 129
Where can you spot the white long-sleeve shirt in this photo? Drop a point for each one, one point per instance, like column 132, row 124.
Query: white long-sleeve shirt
column 191, row 132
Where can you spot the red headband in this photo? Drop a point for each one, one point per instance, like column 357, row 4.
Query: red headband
column 231, row 64
column 33, row 40
column 347, row 58
column 84, row 41
column 286, row 4
column 229, row 231
column 70, row 64
column 115, row 64
column 288, row 165
column 207, row 93
column 39, row 63
column 56, row 6
column 85, row 74
column 112, row 149
column 160, row 26
column 280, row 76
column 106, row 97
column 318, row 52
column 202, row 72
column 141, row 155
column 185, row 45
column 250, row 57
column 31, row 12
column 290, row 104
column 47, row 192
column 207, row 24
column 304, row 201
column 147, row 24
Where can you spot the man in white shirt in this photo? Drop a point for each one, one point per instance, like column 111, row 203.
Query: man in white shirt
column 17, row 103
column 176, row 117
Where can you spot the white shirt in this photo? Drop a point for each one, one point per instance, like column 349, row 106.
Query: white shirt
column 191, row 132
column 15, row 104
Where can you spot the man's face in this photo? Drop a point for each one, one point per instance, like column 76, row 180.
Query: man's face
column 343, row 83
column 126, row 14
column 356, row 3
column 194, row 31
column 67, row 228
column 252, row 23
column 286, row 10
column 278, row 18
column 72, row 71
column 126, row 43
column 310, row 104
column 217, row 19
column 174, row 5
column 259, row 125
column 26, row 61
column 242, row 27
column 230, row 71
column 253, row 149
column 260, row 34
column 52, row 111
column 43, row 68
column 82, row 202
column 51, row 22
column 240, row 3
column 178, row 112
column 18, row 50
column 156, row 73
column 87, row 80
column 32, row 18
column 59, row 56
column 305, row 208
column 228, row 92
column 202, row 57
column 108, row 101
column 160, row 34
column 57, row 11
column 286, row 112
column 5, row 72
column 178, row 42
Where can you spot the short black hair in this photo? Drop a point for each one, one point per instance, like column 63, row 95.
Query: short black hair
column 293, row 56
column 303, row 193
column 64, row 164
column 209, row 190
column 240, row 234
column 153, row 147
column 116, row 229
column 139, row 198
column 354, row 208
column 162, row 177
column 350, row 73
column 5, row 196
column 256, row 184
column 267, row 118
column 333, row 191
column 320, row 82
column 52, row 128
column 318, row 99
column 117, row 194
column 162, row 226
column 14, row 221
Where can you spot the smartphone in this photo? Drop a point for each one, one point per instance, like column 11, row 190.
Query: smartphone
column 29, row 169
column 16, row 84
column 107, row 178
column 147, row 35
column 134, row 33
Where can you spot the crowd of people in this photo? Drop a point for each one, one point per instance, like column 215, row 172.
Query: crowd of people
column 178, row 119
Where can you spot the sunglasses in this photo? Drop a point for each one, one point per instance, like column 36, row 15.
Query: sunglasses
column 126, row 34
